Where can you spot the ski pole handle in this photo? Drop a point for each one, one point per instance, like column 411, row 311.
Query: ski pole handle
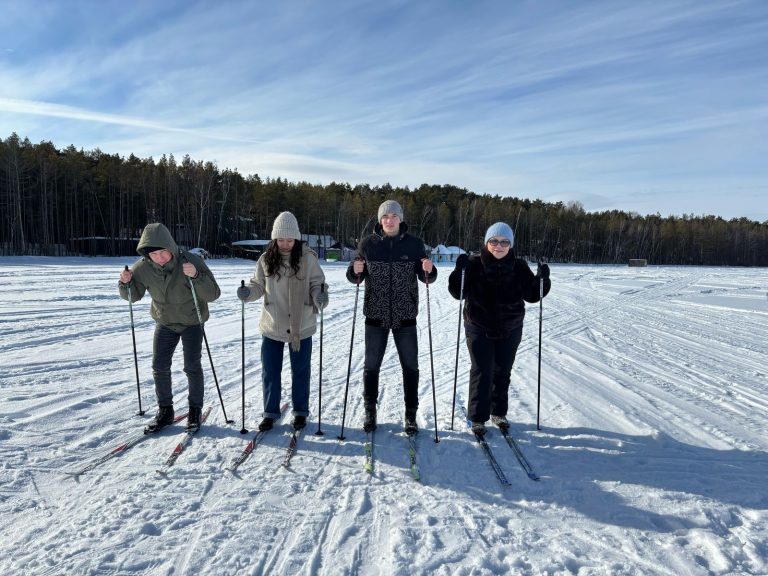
column 359, row 275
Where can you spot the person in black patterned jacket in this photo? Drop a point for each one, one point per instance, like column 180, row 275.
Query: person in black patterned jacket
column 389, row 261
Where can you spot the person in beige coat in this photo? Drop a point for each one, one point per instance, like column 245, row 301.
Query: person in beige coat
column 289, row 278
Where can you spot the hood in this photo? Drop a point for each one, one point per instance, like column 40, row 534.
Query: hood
column 156, row 235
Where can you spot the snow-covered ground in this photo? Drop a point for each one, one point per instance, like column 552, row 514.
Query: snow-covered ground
column 653, row 449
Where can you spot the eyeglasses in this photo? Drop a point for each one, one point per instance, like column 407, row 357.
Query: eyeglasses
column 503, row 243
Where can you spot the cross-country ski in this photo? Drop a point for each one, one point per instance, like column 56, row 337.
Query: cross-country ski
column 524, row 463
column 186, row 438
column 369, row 463
column 119, row 449
column 253, row 443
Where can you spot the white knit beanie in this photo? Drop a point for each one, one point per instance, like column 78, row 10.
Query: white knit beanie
column 390, row 207
column 286, row 226
column 500, row 229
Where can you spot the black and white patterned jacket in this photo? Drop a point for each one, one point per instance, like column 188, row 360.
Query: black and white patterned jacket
column 392, row 265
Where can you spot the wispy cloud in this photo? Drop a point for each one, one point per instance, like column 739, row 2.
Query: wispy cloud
column 626, row 105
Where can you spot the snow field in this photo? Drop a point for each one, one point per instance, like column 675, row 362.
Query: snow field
column 652, row 450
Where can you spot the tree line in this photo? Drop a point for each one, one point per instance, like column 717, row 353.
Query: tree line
column 51, row 199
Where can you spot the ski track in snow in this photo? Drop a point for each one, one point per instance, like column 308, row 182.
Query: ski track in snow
column 652, row 449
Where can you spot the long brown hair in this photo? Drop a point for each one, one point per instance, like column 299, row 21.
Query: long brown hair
column 274, row 260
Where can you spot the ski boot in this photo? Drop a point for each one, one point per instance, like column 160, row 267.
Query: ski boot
column 163, row 418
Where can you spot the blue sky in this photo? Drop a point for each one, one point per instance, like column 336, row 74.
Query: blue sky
column 653, row 106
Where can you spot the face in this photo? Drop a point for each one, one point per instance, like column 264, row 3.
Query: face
column 501, row 247
column 161, row 257
column 285, row 244
column 391, row 224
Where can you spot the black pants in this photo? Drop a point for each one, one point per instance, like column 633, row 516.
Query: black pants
column 489, row 376
column 407, row 345
column 164, row 346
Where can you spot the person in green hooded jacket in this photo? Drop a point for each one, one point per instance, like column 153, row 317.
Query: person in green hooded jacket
column 168, row 273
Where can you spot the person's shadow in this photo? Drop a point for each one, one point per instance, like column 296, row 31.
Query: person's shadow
column 598, row 473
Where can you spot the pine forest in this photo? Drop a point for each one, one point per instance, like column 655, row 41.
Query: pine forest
column 50, row 199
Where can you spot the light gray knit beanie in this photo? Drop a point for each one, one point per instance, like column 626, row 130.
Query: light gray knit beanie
column 286, row 226
column 500, row 229
column 390, row 207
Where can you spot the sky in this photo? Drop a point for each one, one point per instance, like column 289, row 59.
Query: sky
column 646, row 107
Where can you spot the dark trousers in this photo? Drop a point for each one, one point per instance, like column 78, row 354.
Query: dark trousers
column 271, row 370
column 489, row 376
column 163, row 347
column 407, row 345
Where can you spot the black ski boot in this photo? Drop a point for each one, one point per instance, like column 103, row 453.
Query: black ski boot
column 193, row 420
column 478, row 428
column 501, row 422
column 411, row 428
column 369, row 424
column 163, row 418
column 266, row 424
column 299, row 422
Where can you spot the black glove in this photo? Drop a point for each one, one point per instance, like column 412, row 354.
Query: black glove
column 543, row 271
column 321, row 300
column 243, row 292
column 462, row 262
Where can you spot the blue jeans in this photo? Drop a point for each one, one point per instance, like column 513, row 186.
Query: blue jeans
column 271, row 369
column 163, row 347
column 407, row 345
column 489, row 376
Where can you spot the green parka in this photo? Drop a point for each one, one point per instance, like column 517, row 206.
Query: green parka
column 172, row 303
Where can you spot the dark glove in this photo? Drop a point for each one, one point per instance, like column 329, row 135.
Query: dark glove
column 243, row 292
column 321, row 300
column 462, row 262
column 543, row 271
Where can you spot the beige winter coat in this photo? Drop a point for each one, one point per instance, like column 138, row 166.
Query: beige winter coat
column 288, row 313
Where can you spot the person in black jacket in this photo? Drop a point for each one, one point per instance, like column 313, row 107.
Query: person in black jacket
column 389, row 261
column 495, row 285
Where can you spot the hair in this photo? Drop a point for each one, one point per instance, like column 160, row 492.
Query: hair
column 274, row 260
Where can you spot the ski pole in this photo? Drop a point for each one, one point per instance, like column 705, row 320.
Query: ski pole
column 242, row 341
column 135, row 358
column 349, row 363
column 210, row 358
column 431, row 359
column 541, row 309
column 458, row 339
column 320, row 379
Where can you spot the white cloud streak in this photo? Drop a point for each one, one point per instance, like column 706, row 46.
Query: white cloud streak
column 619, row 104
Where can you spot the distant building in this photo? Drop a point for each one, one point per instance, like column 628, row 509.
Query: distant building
column 252, row 249
column 102, row 246
column 249, row 249
column 443, row 253
column 638, row 262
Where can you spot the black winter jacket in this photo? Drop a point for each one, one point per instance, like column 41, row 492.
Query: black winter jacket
column 494, row 291
column 392, row 265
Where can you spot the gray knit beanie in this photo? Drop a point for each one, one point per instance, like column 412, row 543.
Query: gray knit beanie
column 286, row 226
column 390, row 207
column 500, row 229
